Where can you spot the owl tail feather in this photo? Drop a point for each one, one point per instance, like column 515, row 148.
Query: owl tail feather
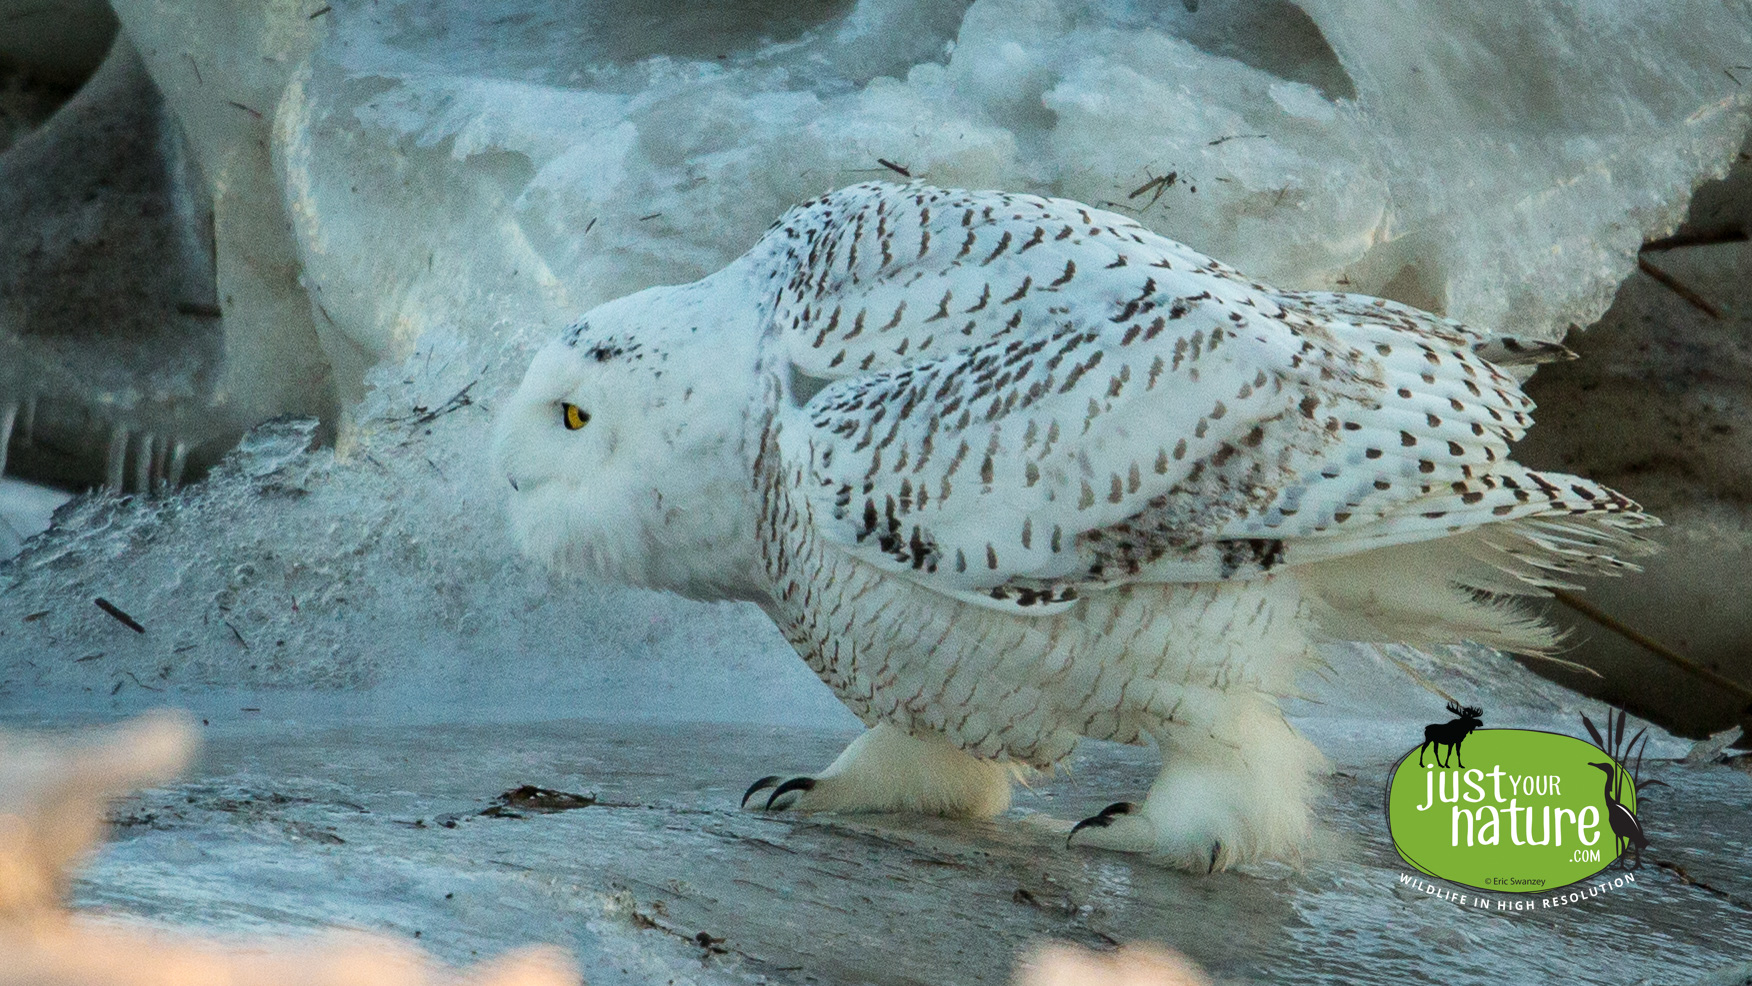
column 1426, row 594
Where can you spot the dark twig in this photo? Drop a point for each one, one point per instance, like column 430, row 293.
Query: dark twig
column 140, row 683
column 1677, row 287
column 123, row 618
column 1157, row 184
column 1224, row 140
column 653, row 215
column 319, row 13
column 457, row 402
column 891, row 166
column 1661, row 650
column 255, row 113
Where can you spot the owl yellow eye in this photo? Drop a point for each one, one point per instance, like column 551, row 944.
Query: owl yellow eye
column 575, row 416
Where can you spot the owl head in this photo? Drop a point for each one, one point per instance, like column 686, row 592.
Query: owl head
column 627, row 450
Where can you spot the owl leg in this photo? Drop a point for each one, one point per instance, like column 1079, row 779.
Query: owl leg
column 1232, row 792
column 888, row 769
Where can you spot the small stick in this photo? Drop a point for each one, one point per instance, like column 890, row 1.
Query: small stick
column 1678, row 288
column 1668, row 654
column 123, row 618
column 457, row 402
column 891, row 166
column 1159, row 184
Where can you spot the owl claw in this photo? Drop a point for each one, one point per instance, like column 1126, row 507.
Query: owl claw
column 769, row 780
column 780, row 788
column 1102, row 819
column 794, row 784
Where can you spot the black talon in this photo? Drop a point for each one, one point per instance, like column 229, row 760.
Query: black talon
column 794, row 784
column 765, row 782
column 1216, row 850
column 1102, row 819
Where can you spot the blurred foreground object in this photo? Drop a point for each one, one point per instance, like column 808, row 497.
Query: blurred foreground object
column 84, row 953
column 53, row 793
column 1133, row 965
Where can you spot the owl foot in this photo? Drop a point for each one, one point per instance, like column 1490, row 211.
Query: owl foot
column 1200, row 836
column 1232, row 794
column 1133, row 838
column 1137, row 837
column 888, row 769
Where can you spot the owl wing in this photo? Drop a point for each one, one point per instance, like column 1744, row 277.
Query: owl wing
column 1056, row 398
column 880, row 276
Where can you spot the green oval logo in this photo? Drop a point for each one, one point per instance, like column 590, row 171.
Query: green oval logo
column 1510, row 810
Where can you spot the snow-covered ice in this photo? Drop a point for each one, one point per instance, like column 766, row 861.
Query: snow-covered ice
column 397, row 829
column 373, row 170
column 1501, row 171
column 25, row 511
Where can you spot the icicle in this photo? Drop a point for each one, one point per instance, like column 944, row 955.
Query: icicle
column 8, row 415
column 118, row 459
column 143, row 465
column 160, row 451
column 179, row 457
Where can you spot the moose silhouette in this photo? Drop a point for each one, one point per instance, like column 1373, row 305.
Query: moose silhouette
column 1451, row 734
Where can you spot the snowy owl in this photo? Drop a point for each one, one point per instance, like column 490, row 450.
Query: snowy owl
column 1009, row 471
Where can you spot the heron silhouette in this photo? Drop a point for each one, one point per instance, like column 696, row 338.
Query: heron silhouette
column 1622, row 819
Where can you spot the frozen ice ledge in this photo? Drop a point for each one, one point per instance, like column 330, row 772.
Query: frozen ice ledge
column 326, row 183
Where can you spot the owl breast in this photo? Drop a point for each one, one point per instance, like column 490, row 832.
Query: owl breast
column 1120, row 665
